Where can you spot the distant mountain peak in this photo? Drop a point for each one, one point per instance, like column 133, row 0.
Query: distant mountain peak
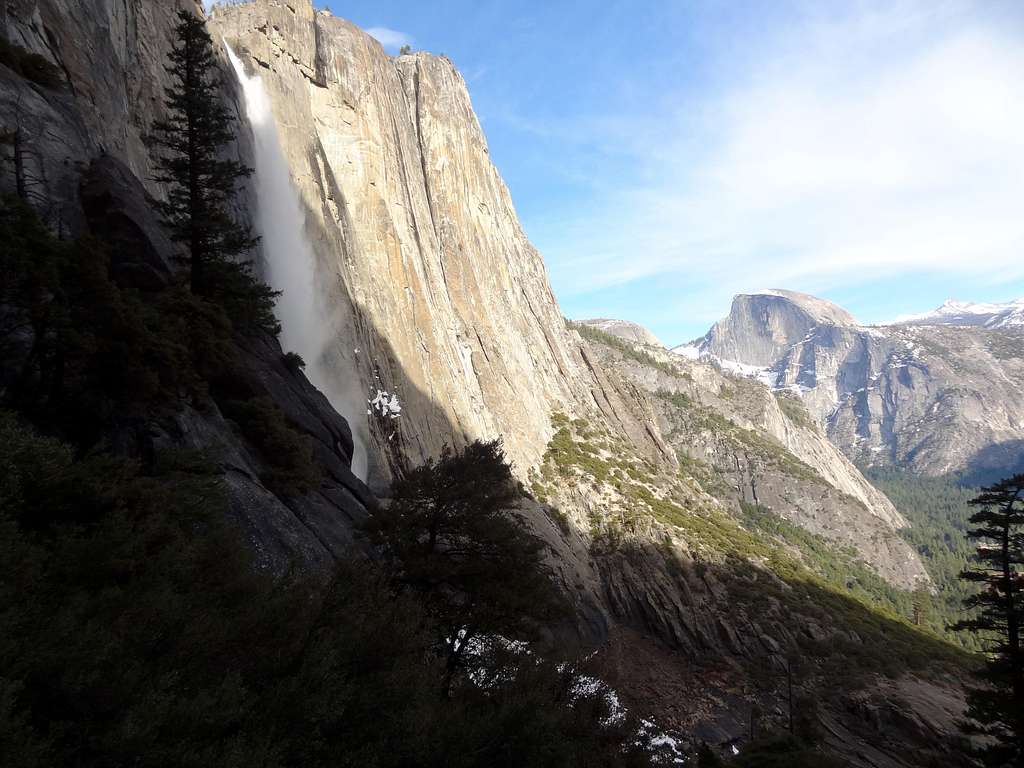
column 624, row 329
column 761, row 326
column 934, row 392
column 820, row 309
column 953, row 312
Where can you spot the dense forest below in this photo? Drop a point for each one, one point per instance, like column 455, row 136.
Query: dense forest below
column 938, row 512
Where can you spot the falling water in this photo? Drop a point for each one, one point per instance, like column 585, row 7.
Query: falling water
column 290, row 261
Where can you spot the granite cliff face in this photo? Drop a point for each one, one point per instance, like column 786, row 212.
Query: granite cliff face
column 762, row 327
column 112, row 57
column 426, row 283
column 433, row 289
column 756, row 447
column 934, row 396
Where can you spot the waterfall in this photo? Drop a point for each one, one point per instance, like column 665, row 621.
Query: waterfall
column 291, row 265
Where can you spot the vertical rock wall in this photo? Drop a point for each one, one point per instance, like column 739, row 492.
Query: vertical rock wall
column 427, row 276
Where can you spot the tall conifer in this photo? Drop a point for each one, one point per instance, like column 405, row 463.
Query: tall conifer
column 201, row 181
column 997, row 708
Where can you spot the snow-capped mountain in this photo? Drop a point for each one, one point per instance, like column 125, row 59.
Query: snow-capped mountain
column 940, row 392
column 1005, row 315
column 789, row 315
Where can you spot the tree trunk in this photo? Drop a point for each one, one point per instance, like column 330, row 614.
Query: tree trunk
column 195, row 212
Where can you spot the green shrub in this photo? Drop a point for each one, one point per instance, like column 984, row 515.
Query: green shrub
column 795, row 410
column 678, row 399
column 293, row 362
column 560, row 518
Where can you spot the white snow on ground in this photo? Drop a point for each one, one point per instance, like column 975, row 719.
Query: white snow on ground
column 582, row 686
column 766, row 376
column 656, row 740
column 689, row 351
column 386, row 404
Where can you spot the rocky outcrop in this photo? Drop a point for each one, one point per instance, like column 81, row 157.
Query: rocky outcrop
column 934, row 398
column 313, row 528
column 111, row 56
column 624, row 329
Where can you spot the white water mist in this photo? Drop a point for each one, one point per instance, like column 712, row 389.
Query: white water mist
column 290, row 262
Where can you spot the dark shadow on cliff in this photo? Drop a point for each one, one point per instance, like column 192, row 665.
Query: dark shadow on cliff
column 993, row 463
column 714, row 642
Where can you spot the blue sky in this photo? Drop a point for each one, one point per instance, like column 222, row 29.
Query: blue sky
column 664, row 155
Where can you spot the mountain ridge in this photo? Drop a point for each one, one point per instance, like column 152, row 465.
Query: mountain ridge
column 935, row 397
column 1006, row 314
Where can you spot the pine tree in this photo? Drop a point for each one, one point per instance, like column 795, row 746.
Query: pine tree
column 997, row 708
column 201, row 182
column 450, row 532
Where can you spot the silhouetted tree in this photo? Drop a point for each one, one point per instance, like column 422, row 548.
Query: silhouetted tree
column 706, row 757
column 997, row 708
column 137, row 630
column 141, row 627
column 201, row 181
column 450, row 531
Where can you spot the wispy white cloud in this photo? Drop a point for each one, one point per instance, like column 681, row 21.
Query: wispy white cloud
column 885, row 143
column 391, row 39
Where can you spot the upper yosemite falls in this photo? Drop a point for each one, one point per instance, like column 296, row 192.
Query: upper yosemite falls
column 429, row 283
column 416, row 516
